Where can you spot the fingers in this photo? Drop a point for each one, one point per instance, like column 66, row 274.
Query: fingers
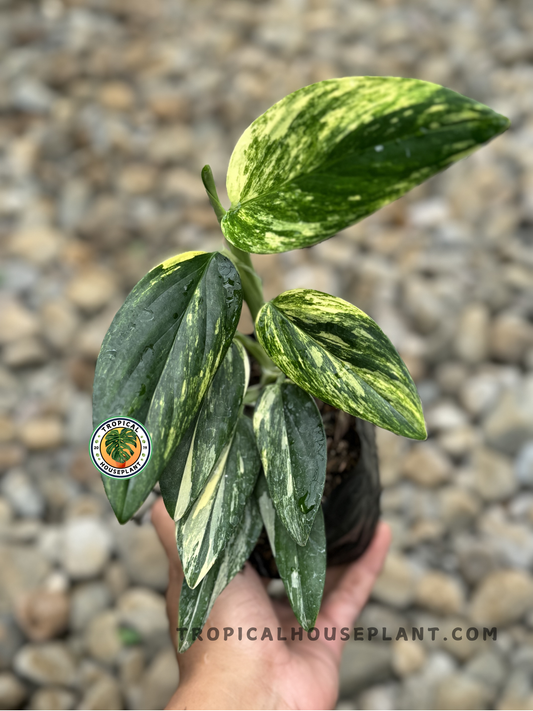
column 346, row 601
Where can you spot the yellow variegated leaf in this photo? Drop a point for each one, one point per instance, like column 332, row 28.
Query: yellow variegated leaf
column 204, row 531
column 293, row 449
column 337, row 353
column 196, row 603
column 159, row 356
column 193, row 460
column 332, row 153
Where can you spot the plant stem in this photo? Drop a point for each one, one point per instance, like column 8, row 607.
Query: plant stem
column 252, row 286
column 210, row 188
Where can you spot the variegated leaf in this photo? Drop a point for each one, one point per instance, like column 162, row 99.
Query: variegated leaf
column 159, row 356
column 302, row 568
column 196, row 603
column 293, row 449
column 200, row 448
column 337, row 353
column 332, row 153
column 206, row 529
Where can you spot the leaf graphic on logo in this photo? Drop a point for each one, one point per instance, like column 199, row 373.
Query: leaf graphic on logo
column 121, row 445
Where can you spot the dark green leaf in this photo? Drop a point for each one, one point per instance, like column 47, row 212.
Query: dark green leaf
column 292, row 444
column 302, row 568
column 204, row 531
column 332, row 153
column 196, row 603
column 200, row 448
column 159, row 357
column 337, row 353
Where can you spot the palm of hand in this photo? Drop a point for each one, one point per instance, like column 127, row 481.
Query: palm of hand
column 267, row 673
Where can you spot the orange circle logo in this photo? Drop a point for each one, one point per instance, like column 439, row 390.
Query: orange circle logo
column 120, row 448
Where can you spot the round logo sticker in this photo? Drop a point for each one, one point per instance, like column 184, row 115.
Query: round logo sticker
column 120, row 448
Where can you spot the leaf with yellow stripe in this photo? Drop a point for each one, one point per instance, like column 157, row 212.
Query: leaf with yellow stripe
column 200, row 448
column 196, row 603
column 302, row 568
column 331, row 153
column 159, row 357
column 337, row 353
column 204, row 531
column 292, row 445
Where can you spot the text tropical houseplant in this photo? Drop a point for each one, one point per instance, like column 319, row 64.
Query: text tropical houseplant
column 319, row 160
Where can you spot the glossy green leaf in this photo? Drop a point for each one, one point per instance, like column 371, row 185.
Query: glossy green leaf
column 293, row 449
column 200, row 448
column 332, row 153
column 204, row 531
column 302, row 568
column 196, row 603
column 159, row 356
column 337, row 353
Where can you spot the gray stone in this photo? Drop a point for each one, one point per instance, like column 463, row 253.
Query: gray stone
column 12, row 692
column 494, row 477
column 380, row 696
column 489, row 668
column 460, row 691
column 364, row 663
column 11, row 640
column 510, row 425
column 87, row 547
column 396, row 585
column 524, row 465
column 53, row 697
column 503, row 597
column 23, row 568
column 143, row 556
column 47, row 663
column 103, row 694
column 102, row 637
column 144, row 611
column 22, row 494
column 160, row 680
column 471, row 340
column 87, row 600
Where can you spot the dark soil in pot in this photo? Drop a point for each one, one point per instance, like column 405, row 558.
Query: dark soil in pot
column 351, row 494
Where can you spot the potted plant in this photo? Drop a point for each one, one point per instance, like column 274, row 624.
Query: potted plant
column 233, row 456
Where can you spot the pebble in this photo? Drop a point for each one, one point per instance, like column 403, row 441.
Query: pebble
column 471, row 340
column 43, row 614
column 53, row 697
column 524, row 465
column 364, row 663
column 92, row 288
column 440, row 593
column 102, row 637
column 42, row 433
column 12, row 692
column 39, row 244
column 160, row 680
column 60, row 323
column 144, row 611
column 426, row 465
column 380, row 696
column 86, row 548
column 408, row 657
column 143, row 556
column 23, row 568
column 510, row 337
column 459, row 691
column 396, row 584
column 11, row 639
column 16, row 322
column 88, row 600
column 502, row 597
column 494, row 477
column 479, row 393
column 103, row 694
column 46, row 663
column 459, row 507
column 25, row 353
column 510, row 425
column 24, row 497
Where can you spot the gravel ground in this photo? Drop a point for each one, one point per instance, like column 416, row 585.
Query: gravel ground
column 108, row 110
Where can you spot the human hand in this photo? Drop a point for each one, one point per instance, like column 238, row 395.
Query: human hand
column 246, row 674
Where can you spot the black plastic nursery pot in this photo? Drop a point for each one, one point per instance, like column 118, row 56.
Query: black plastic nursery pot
column 351, row 501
